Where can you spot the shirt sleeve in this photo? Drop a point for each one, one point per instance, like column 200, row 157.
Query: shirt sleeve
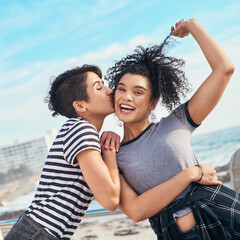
column 189, row 117
column 80, row 137
column 184, row 117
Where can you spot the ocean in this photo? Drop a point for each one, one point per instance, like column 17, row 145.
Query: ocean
column 213, row 147
column 216, row 147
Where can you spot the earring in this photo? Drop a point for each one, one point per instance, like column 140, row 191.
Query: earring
column 120, row 124
column 152, row 117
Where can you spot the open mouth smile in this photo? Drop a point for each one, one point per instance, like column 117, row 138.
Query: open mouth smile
column 124, row 108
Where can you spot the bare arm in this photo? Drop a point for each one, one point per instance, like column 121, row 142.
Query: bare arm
column 101, row 176
column 209, row 93
column 140, row 207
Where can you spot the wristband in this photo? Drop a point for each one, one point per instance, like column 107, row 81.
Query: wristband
column 199, row 166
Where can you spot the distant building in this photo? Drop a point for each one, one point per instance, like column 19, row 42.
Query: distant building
column 31, row 153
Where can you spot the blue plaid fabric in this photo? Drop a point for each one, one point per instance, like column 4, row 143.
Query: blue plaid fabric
column 216, row 210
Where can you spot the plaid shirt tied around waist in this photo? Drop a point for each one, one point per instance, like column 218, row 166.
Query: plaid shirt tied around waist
column 216, row 210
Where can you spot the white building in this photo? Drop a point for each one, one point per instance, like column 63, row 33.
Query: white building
column 32, row 153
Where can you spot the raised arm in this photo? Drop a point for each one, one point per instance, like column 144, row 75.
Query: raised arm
column 101, row 176
column 140, row 207
column 209, row 93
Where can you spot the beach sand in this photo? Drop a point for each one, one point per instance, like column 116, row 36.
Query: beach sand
column 113, row 227
column 108, row 227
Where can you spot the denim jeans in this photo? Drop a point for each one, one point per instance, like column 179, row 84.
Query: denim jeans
column 192, row 234
column 26, row 229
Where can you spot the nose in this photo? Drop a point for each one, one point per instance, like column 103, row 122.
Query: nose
column 127, row 96
column 109, row 91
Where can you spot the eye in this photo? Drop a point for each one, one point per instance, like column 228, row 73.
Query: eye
column 100, row 86
column 120, row 89
column 138, row 93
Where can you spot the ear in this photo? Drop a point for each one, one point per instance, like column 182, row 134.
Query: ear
column 153, row 104
column 79, row 106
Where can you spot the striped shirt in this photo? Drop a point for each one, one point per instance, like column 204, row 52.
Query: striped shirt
column 63, row 196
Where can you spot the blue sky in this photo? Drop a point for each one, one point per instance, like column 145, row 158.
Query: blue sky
column 41, row 39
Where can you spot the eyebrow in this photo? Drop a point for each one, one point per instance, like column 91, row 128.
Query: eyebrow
column 96, row 82
column 134, row 86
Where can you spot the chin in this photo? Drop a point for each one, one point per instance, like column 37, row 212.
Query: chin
column 125, row 120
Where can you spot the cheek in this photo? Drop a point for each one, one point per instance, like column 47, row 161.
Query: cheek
column 115, row 105
column 115, row 98
column 144, row 100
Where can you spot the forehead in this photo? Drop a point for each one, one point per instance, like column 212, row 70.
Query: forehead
column 91, row 78
column 132, row 80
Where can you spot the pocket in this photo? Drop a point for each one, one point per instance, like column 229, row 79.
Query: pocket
column 14, row 234
column 20, row 231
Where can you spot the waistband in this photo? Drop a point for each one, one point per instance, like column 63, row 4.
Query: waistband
column 191, row 232
column 38, row 227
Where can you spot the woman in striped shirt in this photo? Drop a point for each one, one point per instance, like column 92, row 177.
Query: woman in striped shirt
column 74, row 170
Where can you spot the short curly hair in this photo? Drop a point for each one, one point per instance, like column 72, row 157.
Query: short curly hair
column 68, row 87
column 167, row 80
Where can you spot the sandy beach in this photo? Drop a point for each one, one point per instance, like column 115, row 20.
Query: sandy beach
column 113, row 227
column 108, row 227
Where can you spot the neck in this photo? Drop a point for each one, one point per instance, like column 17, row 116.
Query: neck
column 96, row 121
column 132, row 130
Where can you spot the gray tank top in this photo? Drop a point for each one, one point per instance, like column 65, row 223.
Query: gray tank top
column 160, row 152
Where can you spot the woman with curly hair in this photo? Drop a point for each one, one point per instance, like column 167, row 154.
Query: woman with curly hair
column 153, row 154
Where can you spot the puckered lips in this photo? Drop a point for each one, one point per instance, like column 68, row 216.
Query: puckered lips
column 126, row 108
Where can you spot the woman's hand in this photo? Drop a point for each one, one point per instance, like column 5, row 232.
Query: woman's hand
column 180, row 29
column 208, row 173
column 110, row 140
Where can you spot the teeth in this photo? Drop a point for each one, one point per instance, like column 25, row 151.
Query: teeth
column 126, row 106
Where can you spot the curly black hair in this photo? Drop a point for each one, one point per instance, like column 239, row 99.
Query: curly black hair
column 68, row 87
column 167, row 80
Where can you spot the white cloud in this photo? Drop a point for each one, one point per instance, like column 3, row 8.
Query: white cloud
column 23, row 106
column 23, row 102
